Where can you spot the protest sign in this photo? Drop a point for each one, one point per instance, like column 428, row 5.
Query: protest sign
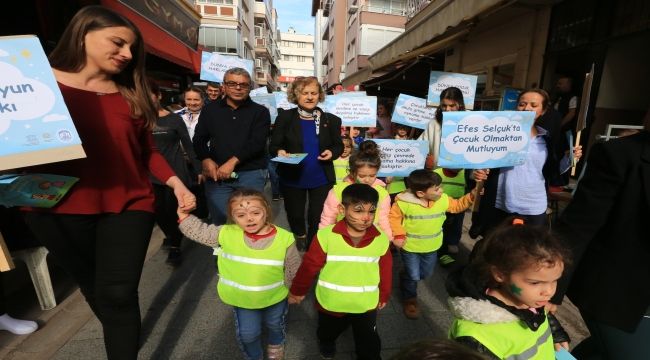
column 35, row 125
column 440, row 80
column 214, row 66
column 509, row 98
column 282, row 102
column 412, row 111
column 354, row 110
column 401, row 157
column 267, row 101
column 484, row 139
column 262, row 90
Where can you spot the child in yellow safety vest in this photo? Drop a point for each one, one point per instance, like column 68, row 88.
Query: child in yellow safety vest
column 501, row 298
column 257, row 262
column 416, row 219
column 353, row 264
column 395, row 184
column 341, row 164
column 453, row 184
column 364, row 165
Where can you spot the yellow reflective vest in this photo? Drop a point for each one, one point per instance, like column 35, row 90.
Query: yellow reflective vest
column 251, row 278
column 423, row 225
column 341, row 169
column 396, row 186
column 508, row 340
column 349, row 281
column 452, row 186
column 338, row 190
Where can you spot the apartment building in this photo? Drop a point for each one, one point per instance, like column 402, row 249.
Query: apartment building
column 244, row 28
column 296, row 56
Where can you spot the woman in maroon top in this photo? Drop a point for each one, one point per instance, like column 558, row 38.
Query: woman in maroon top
column 100, row 232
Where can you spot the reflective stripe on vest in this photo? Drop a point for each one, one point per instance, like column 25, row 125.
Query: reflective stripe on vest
column 338, row 190
column 251, row 288
column 452, row 186
column 251, row 278
column 336, row 289
column 511, row 340
column 423, row 225
column 361, row 259
column 347, row 289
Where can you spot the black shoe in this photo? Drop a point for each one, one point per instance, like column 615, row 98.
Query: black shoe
column 174, row 257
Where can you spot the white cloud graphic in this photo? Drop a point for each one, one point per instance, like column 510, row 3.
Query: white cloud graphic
column 416, row 110
column 480, row 139
column 3, row 53
column 21, row 98
column 446, row 81
column 54, row 117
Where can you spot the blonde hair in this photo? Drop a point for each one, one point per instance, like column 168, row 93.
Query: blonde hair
column 296, row 87
column 251, row 194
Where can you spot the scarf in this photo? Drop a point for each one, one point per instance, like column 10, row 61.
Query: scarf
column 314, row 114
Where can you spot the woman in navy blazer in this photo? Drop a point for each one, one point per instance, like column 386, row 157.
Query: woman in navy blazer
column 606, row 225
column 306, row 129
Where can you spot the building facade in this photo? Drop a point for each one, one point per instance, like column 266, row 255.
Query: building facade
column 296, row 56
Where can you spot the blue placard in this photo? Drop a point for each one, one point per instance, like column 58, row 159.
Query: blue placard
column 267, row 101
column 563, row 354
column 282, row 102
column 509, row 99
column 35, row 125
column 354, row 110
column 412, row 111
column 401, row 157
column 440, row 80
column 485, row 139
column 291, row 159
column 214, row 65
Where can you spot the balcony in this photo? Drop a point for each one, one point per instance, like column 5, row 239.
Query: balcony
column 384, row 10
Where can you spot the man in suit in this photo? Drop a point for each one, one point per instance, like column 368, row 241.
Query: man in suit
column 606, row 227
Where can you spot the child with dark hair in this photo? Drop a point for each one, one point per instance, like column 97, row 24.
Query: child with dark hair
column 499, row 299
column 364, row 163
column 437, row 349
column 353, row 264
column 416, row 219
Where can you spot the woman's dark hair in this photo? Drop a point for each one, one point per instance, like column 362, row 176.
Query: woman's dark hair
column 69, row 55
column 421, row 180
column 368, row 154
column 437, row 349
column 514, row 247
column 359, row 194
column 453, row 94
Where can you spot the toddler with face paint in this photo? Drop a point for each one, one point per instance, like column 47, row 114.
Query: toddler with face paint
column 257, row 263
column 499, row 298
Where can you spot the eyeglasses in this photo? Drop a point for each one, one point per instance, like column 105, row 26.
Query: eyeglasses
column 234, row 85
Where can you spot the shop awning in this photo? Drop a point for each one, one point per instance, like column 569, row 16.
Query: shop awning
column 160, row 42
column 447, row 14
column 357, row 78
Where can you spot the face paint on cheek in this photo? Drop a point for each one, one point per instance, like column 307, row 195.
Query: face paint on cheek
column 515, row 289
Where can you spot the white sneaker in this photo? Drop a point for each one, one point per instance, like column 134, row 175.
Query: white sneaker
column 16, row 326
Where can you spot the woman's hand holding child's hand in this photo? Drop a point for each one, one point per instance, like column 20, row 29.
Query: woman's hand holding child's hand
column 294, row 299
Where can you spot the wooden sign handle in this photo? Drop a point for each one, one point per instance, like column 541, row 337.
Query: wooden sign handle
column 575, row 161
column 6, row 262
column 477, row 199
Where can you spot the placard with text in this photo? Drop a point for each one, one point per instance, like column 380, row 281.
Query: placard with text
column 484, row 139
column 267, row 101
column 354, row 110
column 401, row 157
column 35, row 125
column 214, row 65
column 412, row 111
column 440, row 80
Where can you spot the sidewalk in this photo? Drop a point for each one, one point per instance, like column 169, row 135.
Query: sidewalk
column 184, row 319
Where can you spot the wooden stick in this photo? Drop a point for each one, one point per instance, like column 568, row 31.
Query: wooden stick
column 477, row 198
column 575, row 161
column 6, row 262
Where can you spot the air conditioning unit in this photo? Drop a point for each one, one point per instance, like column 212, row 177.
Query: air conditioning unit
column 352, row 9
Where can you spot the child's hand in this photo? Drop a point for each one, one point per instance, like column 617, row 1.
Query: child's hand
column 399, row 241
column 550, row 308
column 480, row 174
column 561, row 345
column 381, row 305
column 283, row 153
column 295, row 299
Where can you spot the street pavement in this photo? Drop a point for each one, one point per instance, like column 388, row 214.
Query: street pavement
column 183, row 317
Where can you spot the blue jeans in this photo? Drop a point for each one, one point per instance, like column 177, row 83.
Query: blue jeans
column 218, row 192
column 417, row 266
column 248, row 325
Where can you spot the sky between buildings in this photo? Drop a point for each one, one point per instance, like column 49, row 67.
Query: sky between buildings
column 295, row 13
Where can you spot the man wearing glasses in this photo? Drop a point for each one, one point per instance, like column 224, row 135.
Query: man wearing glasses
column 230, row 141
